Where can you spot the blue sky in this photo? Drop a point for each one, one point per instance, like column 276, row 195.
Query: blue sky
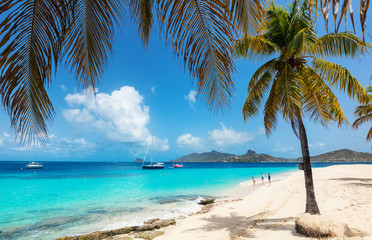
column 145, row 90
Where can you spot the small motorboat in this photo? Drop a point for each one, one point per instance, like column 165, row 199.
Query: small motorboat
column 34, row 165
column 153, row 166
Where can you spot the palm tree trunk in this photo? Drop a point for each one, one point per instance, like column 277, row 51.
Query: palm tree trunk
column 311, row 204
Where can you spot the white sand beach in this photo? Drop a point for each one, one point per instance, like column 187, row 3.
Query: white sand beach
column 344, row 194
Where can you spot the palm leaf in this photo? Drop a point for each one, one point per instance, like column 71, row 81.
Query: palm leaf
column 319, row 100
column 254, row 47
column 246, row 15
column 340, row 77
column 258, row 86
column 272, row 108
column 89, row 40
column 364, row 5
column 30, row 49
column 141, row 13
column 291, row 85
column 201, row 35
column 335, row 45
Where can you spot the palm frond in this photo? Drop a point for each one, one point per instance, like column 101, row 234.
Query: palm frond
column 363, row 119
column 364, row 5
column 89, row 40
column 30, row 48
column 246, row 15
column 258, row 86
column 336, row 45
column 272, row 108
column 340, row 77
column 319, row 100
column 201, row 35
column 254, row 47
column 142, row 15
column 369, row 135
column 363, row 110
column 291, row 85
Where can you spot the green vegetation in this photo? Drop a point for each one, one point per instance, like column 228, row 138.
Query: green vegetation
column 297, row 80
column 364, row 113
column 342, row 155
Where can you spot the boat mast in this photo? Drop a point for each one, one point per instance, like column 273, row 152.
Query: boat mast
column 147, row 149
column 152, row 143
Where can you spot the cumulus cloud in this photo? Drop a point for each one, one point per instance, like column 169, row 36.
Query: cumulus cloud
column 228, row 136
column 191, row 98
column 187, row 140
column 279, row 148
column 318, row 145
column 61, row 146
column 120, row 116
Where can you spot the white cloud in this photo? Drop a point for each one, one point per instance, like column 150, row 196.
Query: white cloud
column 63, row 88
column 228, row 136
column 187, row 140
column 191, row 98
column 61, row 146
column 279, row 148
column 318, row 145
column 120, row 116
column 153, row 90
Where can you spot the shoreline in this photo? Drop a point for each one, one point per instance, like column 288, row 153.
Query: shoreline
column 343, row 194
column 268, row 212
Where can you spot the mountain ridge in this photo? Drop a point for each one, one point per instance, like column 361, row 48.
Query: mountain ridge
column 341, row 155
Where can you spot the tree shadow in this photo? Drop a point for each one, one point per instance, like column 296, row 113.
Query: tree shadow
column 241, row 226
column 359, row 182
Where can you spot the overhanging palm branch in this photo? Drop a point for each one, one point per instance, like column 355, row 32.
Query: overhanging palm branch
column 31, row 46
column 347, row 4
column 200, row 34
column 246, row 15
column 89, row 41
column 81, row 33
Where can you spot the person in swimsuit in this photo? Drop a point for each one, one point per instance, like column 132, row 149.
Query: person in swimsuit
column 262, row 178
column 269, row 177
column 254, row 182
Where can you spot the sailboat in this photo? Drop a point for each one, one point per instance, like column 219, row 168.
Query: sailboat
column 177, row 165
column 152, row 165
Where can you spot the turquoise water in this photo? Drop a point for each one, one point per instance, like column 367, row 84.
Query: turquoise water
column 76, row 198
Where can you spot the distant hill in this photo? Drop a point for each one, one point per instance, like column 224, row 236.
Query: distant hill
column 343, row 155
column 213, row 156
column 138, row 160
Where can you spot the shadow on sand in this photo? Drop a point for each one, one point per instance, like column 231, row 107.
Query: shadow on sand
column 359, row 182
column 241, row 227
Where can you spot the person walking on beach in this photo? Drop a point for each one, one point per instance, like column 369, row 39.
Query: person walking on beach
column 269, row 177
column 254, row 182
column 262, row 178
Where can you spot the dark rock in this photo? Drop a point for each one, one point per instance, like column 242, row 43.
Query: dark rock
column 206, row 201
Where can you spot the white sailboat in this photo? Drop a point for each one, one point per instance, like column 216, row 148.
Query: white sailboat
column 152, row 165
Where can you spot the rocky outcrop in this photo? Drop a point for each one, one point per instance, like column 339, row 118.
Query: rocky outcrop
column 99, row 235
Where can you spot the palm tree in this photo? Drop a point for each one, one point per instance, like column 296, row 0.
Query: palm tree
column 364, row 112
column 36, row 35
column 297, row 81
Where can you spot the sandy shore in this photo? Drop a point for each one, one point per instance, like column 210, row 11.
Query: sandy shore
column 344, row 193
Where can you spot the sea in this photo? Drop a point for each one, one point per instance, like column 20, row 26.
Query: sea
column 70, row 198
